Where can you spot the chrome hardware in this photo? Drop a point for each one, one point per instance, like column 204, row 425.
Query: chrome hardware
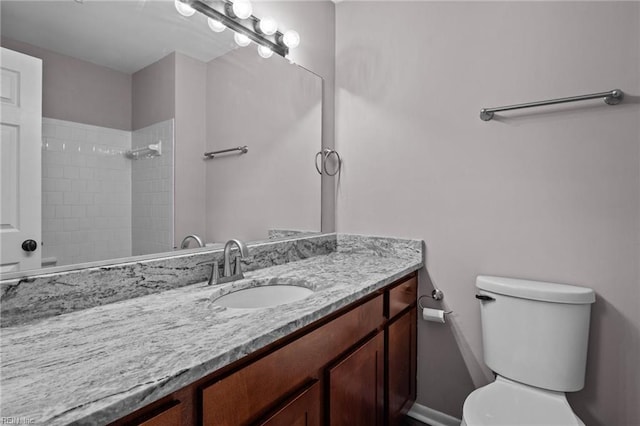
column 212, row 154
column 148, row 151
column 229, row 21
column 612, row 97
column 437, row 294
column 227, row 275
column 325, row 154
column 237, row 274
column 185, row 241
column 213, row 277
column 424, row 307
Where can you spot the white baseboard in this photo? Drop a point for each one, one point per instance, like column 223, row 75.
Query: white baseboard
column 432, row 417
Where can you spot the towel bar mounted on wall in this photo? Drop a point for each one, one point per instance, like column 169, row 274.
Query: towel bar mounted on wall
column 213, row 154
column 612, row 97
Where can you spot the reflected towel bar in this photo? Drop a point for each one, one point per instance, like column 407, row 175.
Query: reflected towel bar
column 612, row 97
column 212, row 154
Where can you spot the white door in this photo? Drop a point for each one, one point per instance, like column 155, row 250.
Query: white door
column 20, row 168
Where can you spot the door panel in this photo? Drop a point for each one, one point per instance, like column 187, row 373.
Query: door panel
column 302, row 410
column 400, row 367
column 356, row 386
column 20, row 154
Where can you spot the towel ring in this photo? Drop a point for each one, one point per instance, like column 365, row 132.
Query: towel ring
column 324, row 163
column 325, row 154
column 319, row 169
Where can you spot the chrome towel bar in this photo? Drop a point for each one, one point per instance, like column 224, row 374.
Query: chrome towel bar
column 611, row 97
column 212, row 154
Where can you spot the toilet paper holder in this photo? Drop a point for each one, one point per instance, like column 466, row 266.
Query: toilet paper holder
column 437, row 294
column 433, row 297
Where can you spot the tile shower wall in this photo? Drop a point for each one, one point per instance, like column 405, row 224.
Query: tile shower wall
column 152, row 191
column 86, row 193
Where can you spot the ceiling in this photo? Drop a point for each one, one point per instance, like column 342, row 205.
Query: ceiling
column 122, row 35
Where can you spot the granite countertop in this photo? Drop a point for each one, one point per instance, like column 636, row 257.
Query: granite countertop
column 96, row 365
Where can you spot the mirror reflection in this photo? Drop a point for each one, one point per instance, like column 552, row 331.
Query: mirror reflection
column 133, row 95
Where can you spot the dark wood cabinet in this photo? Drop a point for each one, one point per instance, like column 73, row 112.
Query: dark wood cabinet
column 245, row 395
column 304, row 409
column 357, row 366
column 356, row 386
column 167, row 415
column 401, row 366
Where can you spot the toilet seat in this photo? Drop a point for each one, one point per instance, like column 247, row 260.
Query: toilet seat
column 508, row 403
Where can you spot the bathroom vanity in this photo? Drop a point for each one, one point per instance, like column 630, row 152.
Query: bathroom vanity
column 346, row 354
column 343, row 369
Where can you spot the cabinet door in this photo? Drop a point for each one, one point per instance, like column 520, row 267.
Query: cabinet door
column 245, row 395
column 356, row 386
column 401, row 366
column 301, row 410
column 170, row 417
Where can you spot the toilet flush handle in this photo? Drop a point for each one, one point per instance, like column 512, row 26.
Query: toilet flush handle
column 484, row 298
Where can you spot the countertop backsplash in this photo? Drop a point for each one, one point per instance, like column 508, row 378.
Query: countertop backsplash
column 24, row 300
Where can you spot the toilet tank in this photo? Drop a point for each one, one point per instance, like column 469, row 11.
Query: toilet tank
column 535, row 332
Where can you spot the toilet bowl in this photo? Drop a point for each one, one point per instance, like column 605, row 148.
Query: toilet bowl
column 535, row 337
column 508, row 403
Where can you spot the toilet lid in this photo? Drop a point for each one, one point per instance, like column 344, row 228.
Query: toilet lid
column 507, row 403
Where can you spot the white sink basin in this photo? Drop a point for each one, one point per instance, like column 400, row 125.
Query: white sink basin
column 263, row 296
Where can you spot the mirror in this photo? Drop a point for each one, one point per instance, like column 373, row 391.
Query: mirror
column 133, row 96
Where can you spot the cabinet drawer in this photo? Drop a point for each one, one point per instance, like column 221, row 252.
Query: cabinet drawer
column 402, row 295
column 243, row 396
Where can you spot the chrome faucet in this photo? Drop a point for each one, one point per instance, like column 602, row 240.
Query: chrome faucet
column 185, row 241
column 227, row 276
column 237, row 272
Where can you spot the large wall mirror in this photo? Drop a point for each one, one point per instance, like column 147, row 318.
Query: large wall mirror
column 133, row 96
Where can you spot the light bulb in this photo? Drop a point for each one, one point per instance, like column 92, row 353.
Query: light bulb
column 215, row 25
column 291, row 39
column 268, row 25
column 241, row 39
column 264, row 51
column 242, row 8
column 183, row 8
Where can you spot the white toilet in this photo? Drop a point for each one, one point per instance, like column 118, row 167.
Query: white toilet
column 535, row 337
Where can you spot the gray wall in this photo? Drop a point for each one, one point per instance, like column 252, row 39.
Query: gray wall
column 274, row 108
column 190, row 132
column 550, row 194
column 79, row 91
column 153, row 92
column 315, row 22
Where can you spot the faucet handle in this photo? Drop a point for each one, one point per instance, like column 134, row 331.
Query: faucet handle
column 213, row 278
column 238, row 268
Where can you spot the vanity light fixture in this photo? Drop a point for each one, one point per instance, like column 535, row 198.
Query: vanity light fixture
column 291, row 39
column 183, row 8
column 241, row 39
column 237, row 16
column 267, row 26
column 215, row 25
column 239, row 9
column 265, row 52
